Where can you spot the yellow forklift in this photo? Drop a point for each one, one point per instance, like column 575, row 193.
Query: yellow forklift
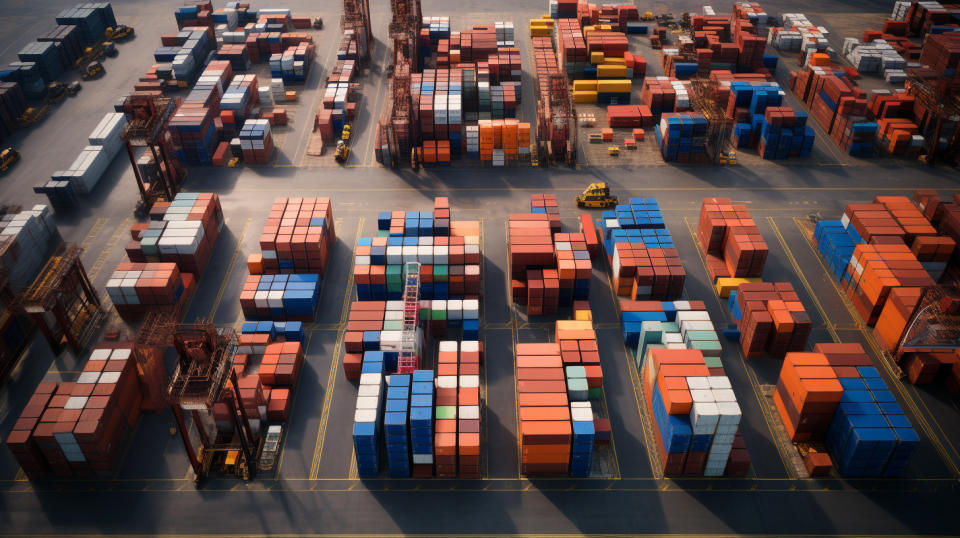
column 33, row 114
column 596, row 195
column 120, row 33
column 8, row 157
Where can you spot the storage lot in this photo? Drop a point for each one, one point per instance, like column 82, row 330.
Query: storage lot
column 315, row 489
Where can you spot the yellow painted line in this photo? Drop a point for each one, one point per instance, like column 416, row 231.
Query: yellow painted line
column 908, row 398
column 20, row 476
column 283, row 443
column 334, row 367
column 122, row 229
column 751, row 375
column 93, row 233
column 226, row 276
column 849, row 306
column 352, row 472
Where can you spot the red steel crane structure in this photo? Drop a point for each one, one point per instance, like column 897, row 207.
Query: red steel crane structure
column 148, row 116
column 62, row 302
column 397, row 130
column 356, row 17
column 556, row 122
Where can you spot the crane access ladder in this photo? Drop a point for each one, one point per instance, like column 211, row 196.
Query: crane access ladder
column 408, row 360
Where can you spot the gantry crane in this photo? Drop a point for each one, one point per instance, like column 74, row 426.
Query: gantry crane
column 148, row 116
column 62, row 302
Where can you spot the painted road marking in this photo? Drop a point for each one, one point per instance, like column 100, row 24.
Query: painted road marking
column 334, row 364
column 226, row 276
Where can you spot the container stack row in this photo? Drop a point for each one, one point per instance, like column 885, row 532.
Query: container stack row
column 183, row 232
column 282, row 296
column 730, row 239
column 640, row 250
column 834, row 394
column 771, row 319
column 27, row 238
column 695, row 415
column 458, row 409
column 448, row 252
column 76, row 429
column 548, row 268
column 839, row 107
column 298, row 237
column 137, row 288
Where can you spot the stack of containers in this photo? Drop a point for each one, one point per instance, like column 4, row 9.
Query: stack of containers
column 421, row 423
column 751, row 26
column 835, row 394
column 669, row 323
column 194, row 134
column 255, row 141
column 396, row 423
column 695, row 415
column 877, row 56
column 469, row 408
column 67, row 40
column 771, row 319
column 530, row 239
column 836, row 242
column 875, row 270
column 298, row 237
column 368, row 417
column 762, row 121
column 293, row 64
column 545, row 429
column 26, row 240
column 682, row 137
column 572, row 47
column 445, row 412
column 730, row 240
column 136, row 288
column 370, row 324
column 12, row 105
column 584, row 437
column 183, row 231
column 47, row 57
column 573, row 265
column 640, row 272
column 581, row 359
column 76, row 429
column 92, row 19
column 241, row 96
column 808, row 392
column 839, row 108
column 280, row 296
column 282, row 331
column 105, row 142
column 448, row 251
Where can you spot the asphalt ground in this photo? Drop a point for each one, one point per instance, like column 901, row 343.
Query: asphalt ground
column 315, row 489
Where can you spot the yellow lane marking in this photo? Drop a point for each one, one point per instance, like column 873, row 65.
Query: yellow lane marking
column 122, row 229
column 93, row 233
column 233, row 261
column 334, row 366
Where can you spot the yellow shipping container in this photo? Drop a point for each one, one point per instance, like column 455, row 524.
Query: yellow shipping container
column 596, row 58
column 585, row 97
column 584, row 85
column 614, row 86
column 615, row 61
column 726, row 285
column 583, row 315
column 544, row 20
column 540, row 31
column 611, row 71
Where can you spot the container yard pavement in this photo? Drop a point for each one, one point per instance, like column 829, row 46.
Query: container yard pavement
column 313, row 492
